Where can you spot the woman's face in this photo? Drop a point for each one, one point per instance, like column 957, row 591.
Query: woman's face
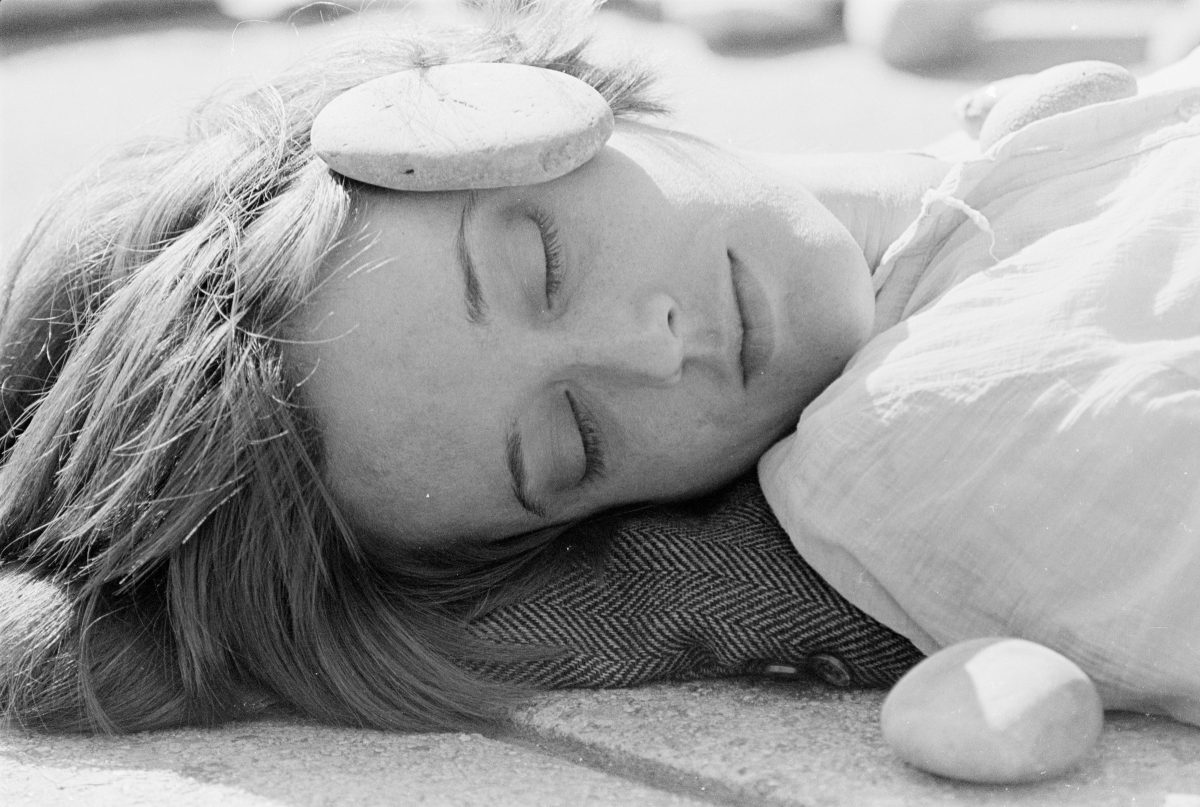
column 641, row 329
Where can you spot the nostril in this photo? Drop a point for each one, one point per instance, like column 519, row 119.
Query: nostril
column 662, row 308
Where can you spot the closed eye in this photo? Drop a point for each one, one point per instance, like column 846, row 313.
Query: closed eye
column 589, row 435
column 552, row 249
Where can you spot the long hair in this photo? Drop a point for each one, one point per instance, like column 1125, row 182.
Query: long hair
column 169, row 551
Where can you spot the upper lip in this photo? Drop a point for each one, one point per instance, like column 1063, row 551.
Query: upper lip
column 757, row 338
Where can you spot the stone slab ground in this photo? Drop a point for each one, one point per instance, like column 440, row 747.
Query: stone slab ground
column 725, row 743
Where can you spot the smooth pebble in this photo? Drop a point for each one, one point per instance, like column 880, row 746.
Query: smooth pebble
column 463, row 126
column 994, row 710
column 1054, row 91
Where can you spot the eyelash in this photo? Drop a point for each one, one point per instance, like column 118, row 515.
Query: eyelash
column 552, row 247
column 593, row 445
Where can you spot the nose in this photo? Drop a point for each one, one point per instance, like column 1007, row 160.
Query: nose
column 640, row 344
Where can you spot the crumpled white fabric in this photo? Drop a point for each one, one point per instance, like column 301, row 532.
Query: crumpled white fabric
column 1016, row 451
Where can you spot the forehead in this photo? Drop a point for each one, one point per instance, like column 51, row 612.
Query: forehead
column 380, row 346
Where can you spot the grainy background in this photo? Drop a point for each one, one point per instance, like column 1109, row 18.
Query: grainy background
column 72, row 88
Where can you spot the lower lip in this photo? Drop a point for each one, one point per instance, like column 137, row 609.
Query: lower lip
column 758, row 326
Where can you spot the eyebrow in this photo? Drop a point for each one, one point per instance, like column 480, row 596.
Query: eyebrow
column 516, row 470
column 472, row 293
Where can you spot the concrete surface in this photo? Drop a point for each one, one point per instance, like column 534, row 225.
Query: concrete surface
column 67, row 94
column 804, row 743
column 282, row 763
column 728, row 743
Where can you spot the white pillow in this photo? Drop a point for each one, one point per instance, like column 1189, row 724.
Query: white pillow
column 1017, row 451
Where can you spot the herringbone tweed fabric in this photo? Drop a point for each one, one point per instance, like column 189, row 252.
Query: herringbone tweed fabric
column 688, row 592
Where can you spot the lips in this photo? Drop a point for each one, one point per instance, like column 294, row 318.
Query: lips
column 757, row 321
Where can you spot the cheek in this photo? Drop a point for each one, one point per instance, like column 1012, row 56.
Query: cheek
column 688, row 436
column 840, row 314
column 694, row 466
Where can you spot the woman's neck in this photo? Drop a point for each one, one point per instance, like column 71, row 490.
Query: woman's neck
column 875, row 195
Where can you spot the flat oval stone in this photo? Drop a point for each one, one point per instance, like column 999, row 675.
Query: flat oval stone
column 1054, row 91
column 999, row 711
column 463, row 126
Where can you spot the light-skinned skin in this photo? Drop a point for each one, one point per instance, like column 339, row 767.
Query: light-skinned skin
column 698, row 299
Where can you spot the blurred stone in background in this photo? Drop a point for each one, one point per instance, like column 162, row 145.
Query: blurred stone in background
column 21, row 17
column 743, row 25
column 920, row 35
column 926, row 35
column 916, row 34
column 78, row 76
column 28, row 16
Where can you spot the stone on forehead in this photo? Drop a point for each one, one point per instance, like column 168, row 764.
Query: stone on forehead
column 463, row 126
